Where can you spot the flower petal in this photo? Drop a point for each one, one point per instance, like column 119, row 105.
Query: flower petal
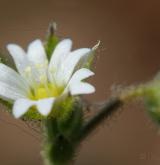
column 19, row 56
column 10, row 93
column 81, row 88
column 76, row 86
column 68, row 66
column 87, row 60
column 80, row 75
column 36, row 53
column 44, row 106
column 12, row 78
column 39, row 63
column 61, row 51
column 21, row 106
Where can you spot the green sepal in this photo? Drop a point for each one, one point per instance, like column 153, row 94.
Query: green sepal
column 152, row 101
column 50, row 45
column 71, row 125
column 91, row 56
column 90, row 60
column 51, row 41
column 59, row 148
column 3, row 59
column 68, row 114
column 33, row 114
column 7, row 104
column 61, row 135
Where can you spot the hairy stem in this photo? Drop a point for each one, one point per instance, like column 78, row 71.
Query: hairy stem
column 61, row 144
column 106, row 111
column 58, row 149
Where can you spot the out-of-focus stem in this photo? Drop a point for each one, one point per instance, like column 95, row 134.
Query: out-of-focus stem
column 107, row 110
column 112, row 105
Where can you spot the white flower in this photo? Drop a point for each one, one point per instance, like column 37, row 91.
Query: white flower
column 40, row 82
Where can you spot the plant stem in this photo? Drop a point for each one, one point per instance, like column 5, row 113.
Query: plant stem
column 57, row 148
column 106, row 111
column 60, row 149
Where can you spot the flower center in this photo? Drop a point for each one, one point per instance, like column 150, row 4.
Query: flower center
column 45, row 91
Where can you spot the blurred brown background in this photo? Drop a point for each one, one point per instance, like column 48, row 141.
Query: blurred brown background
column 129, row 31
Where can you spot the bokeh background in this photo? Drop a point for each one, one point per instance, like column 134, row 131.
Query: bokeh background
column 129, row 31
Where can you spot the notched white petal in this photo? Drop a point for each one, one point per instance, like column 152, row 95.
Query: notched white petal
column 68, row 66
column 21, row 106
column 81, row 88
column 12, row 78
column 60, row 53
column 36, row 52
column 39, row 62
column 10, row 93
column 15, row 50
column 80, row 75
column 44, row 106
column 18, row 55
column 76, row 86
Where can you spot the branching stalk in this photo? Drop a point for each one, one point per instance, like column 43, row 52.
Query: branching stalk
column 106, row 111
